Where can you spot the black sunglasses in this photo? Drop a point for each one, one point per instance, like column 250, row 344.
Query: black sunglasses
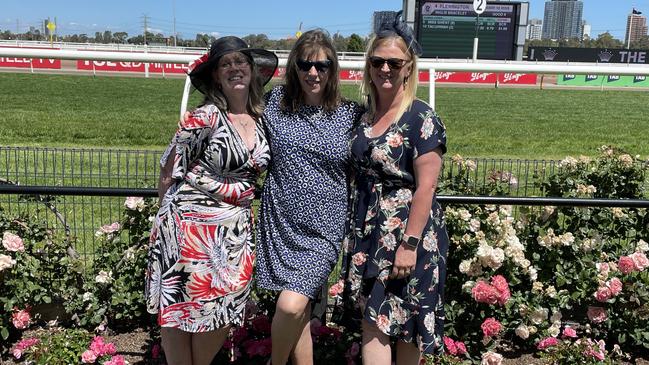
column 393, row 63
column 320, row 66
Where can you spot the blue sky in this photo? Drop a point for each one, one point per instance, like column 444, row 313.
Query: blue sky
column 277, row 19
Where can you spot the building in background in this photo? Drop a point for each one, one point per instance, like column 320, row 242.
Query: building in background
column 534, row 29
column 585, row 30
column 636, row 27
column 562, row 19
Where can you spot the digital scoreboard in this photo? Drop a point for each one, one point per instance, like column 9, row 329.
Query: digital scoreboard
column 445, row 29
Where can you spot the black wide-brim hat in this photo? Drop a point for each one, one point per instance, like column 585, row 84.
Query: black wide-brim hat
column 200, row 72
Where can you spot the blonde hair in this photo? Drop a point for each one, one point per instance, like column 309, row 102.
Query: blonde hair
column 368, row 90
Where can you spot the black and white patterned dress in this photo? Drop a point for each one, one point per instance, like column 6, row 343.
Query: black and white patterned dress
column 304, row 201
column 202, row 252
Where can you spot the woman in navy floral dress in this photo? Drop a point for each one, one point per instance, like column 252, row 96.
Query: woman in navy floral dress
column 396, row 252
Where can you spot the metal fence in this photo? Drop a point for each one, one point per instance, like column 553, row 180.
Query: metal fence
column 78, row 195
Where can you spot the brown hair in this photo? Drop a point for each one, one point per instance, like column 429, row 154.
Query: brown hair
column 368, row 90
column 309, row 44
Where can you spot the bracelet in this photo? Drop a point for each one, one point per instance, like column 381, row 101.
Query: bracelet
column 410, row 241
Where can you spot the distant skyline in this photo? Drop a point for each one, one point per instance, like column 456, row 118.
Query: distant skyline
column 279, row 19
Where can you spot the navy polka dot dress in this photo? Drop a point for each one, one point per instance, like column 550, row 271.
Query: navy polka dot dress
column 304, row 201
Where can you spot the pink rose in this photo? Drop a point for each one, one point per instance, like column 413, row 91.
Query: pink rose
column 382, row 322
column 491, row 358
column 615, row 285
column 596, row 314
column 626, row 264
column 12, row 242
column 358, row 258
column 603, row 269
column 449, row 345
column 491, row 327
column 21, row 319
column 500, row 283
column 569, row 332
column 547, row 342
column 109, row 349
column 640, row 260
column 88, row 357
column 485, row 293
column 603, row 294
column 336, row 289
column 97, row 346
column 461, row 348
column 394, row 140
column 18, row 353
column 116, row 360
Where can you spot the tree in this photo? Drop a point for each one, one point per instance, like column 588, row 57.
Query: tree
column 642, row 43
column 202, row 40
column 355, row 43
column 257, row 40
column 120, row 37
column 606, row 40
column 340, row 42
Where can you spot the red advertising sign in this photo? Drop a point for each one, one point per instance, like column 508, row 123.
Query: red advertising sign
column 30, row 62
column 119, row 66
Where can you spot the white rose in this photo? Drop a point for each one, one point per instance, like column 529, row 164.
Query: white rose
column 104, row 277
column 134, row 203
column 522, row 331
column 642, row 246
column 556, row 316
column 539, row 315
column 465, row 266
column 87, row 296
column 6, row 262
column 467, row 286
column 554, row 330
column 474, row 225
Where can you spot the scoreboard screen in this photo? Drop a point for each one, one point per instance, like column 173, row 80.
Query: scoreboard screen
column 445, row 29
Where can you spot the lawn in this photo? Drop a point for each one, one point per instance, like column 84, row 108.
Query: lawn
column 138, row 113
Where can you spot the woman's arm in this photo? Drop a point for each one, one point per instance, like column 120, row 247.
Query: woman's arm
column 427, row 168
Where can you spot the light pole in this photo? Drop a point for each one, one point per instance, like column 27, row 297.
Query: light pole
column 628, row 41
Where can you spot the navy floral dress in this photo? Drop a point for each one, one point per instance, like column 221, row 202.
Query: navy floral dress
column 409, row 309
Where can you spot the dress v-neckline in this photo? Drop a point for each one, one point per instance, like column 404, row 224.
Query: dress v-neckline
column 242, row 141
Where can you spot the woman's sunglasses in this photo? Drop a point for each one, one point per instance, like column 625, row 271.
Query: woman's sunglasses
column 320, row 66
column 393, row 63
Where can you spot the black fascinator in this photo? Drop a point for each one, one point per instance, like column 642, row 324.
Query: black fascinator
column 388, row 23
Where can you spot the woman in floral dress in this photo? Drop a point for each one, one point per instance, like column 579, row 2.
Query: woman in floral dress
column 202, row 252
column 396, row 252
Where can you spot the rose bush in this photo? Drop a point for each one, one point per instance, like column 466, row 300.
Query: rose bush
column 567, row 282
column 580, row 269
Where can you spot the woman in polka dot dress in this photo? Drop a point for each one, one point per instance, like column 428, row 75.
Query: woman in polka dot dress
column 304, row 201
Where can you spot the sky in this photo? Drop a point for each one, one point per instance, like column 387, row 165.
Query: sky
column 277, row 19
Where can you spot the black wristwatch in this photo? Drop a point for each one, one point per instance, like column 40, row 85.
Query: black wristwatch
column 410, row 241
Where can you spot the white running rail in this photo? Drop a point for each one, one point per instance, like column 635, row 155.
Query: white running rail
column 431, row 64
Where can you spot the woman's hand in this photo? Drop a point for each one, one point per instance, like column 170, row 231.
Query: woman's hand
column 404, row 262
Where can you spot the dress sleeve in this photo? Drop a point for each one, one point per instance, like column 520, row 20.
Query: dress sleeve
column 429, row 132
column 191, row 139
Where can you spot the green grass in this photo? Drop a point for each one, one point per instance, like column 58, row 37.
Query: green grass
column 138, row 113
